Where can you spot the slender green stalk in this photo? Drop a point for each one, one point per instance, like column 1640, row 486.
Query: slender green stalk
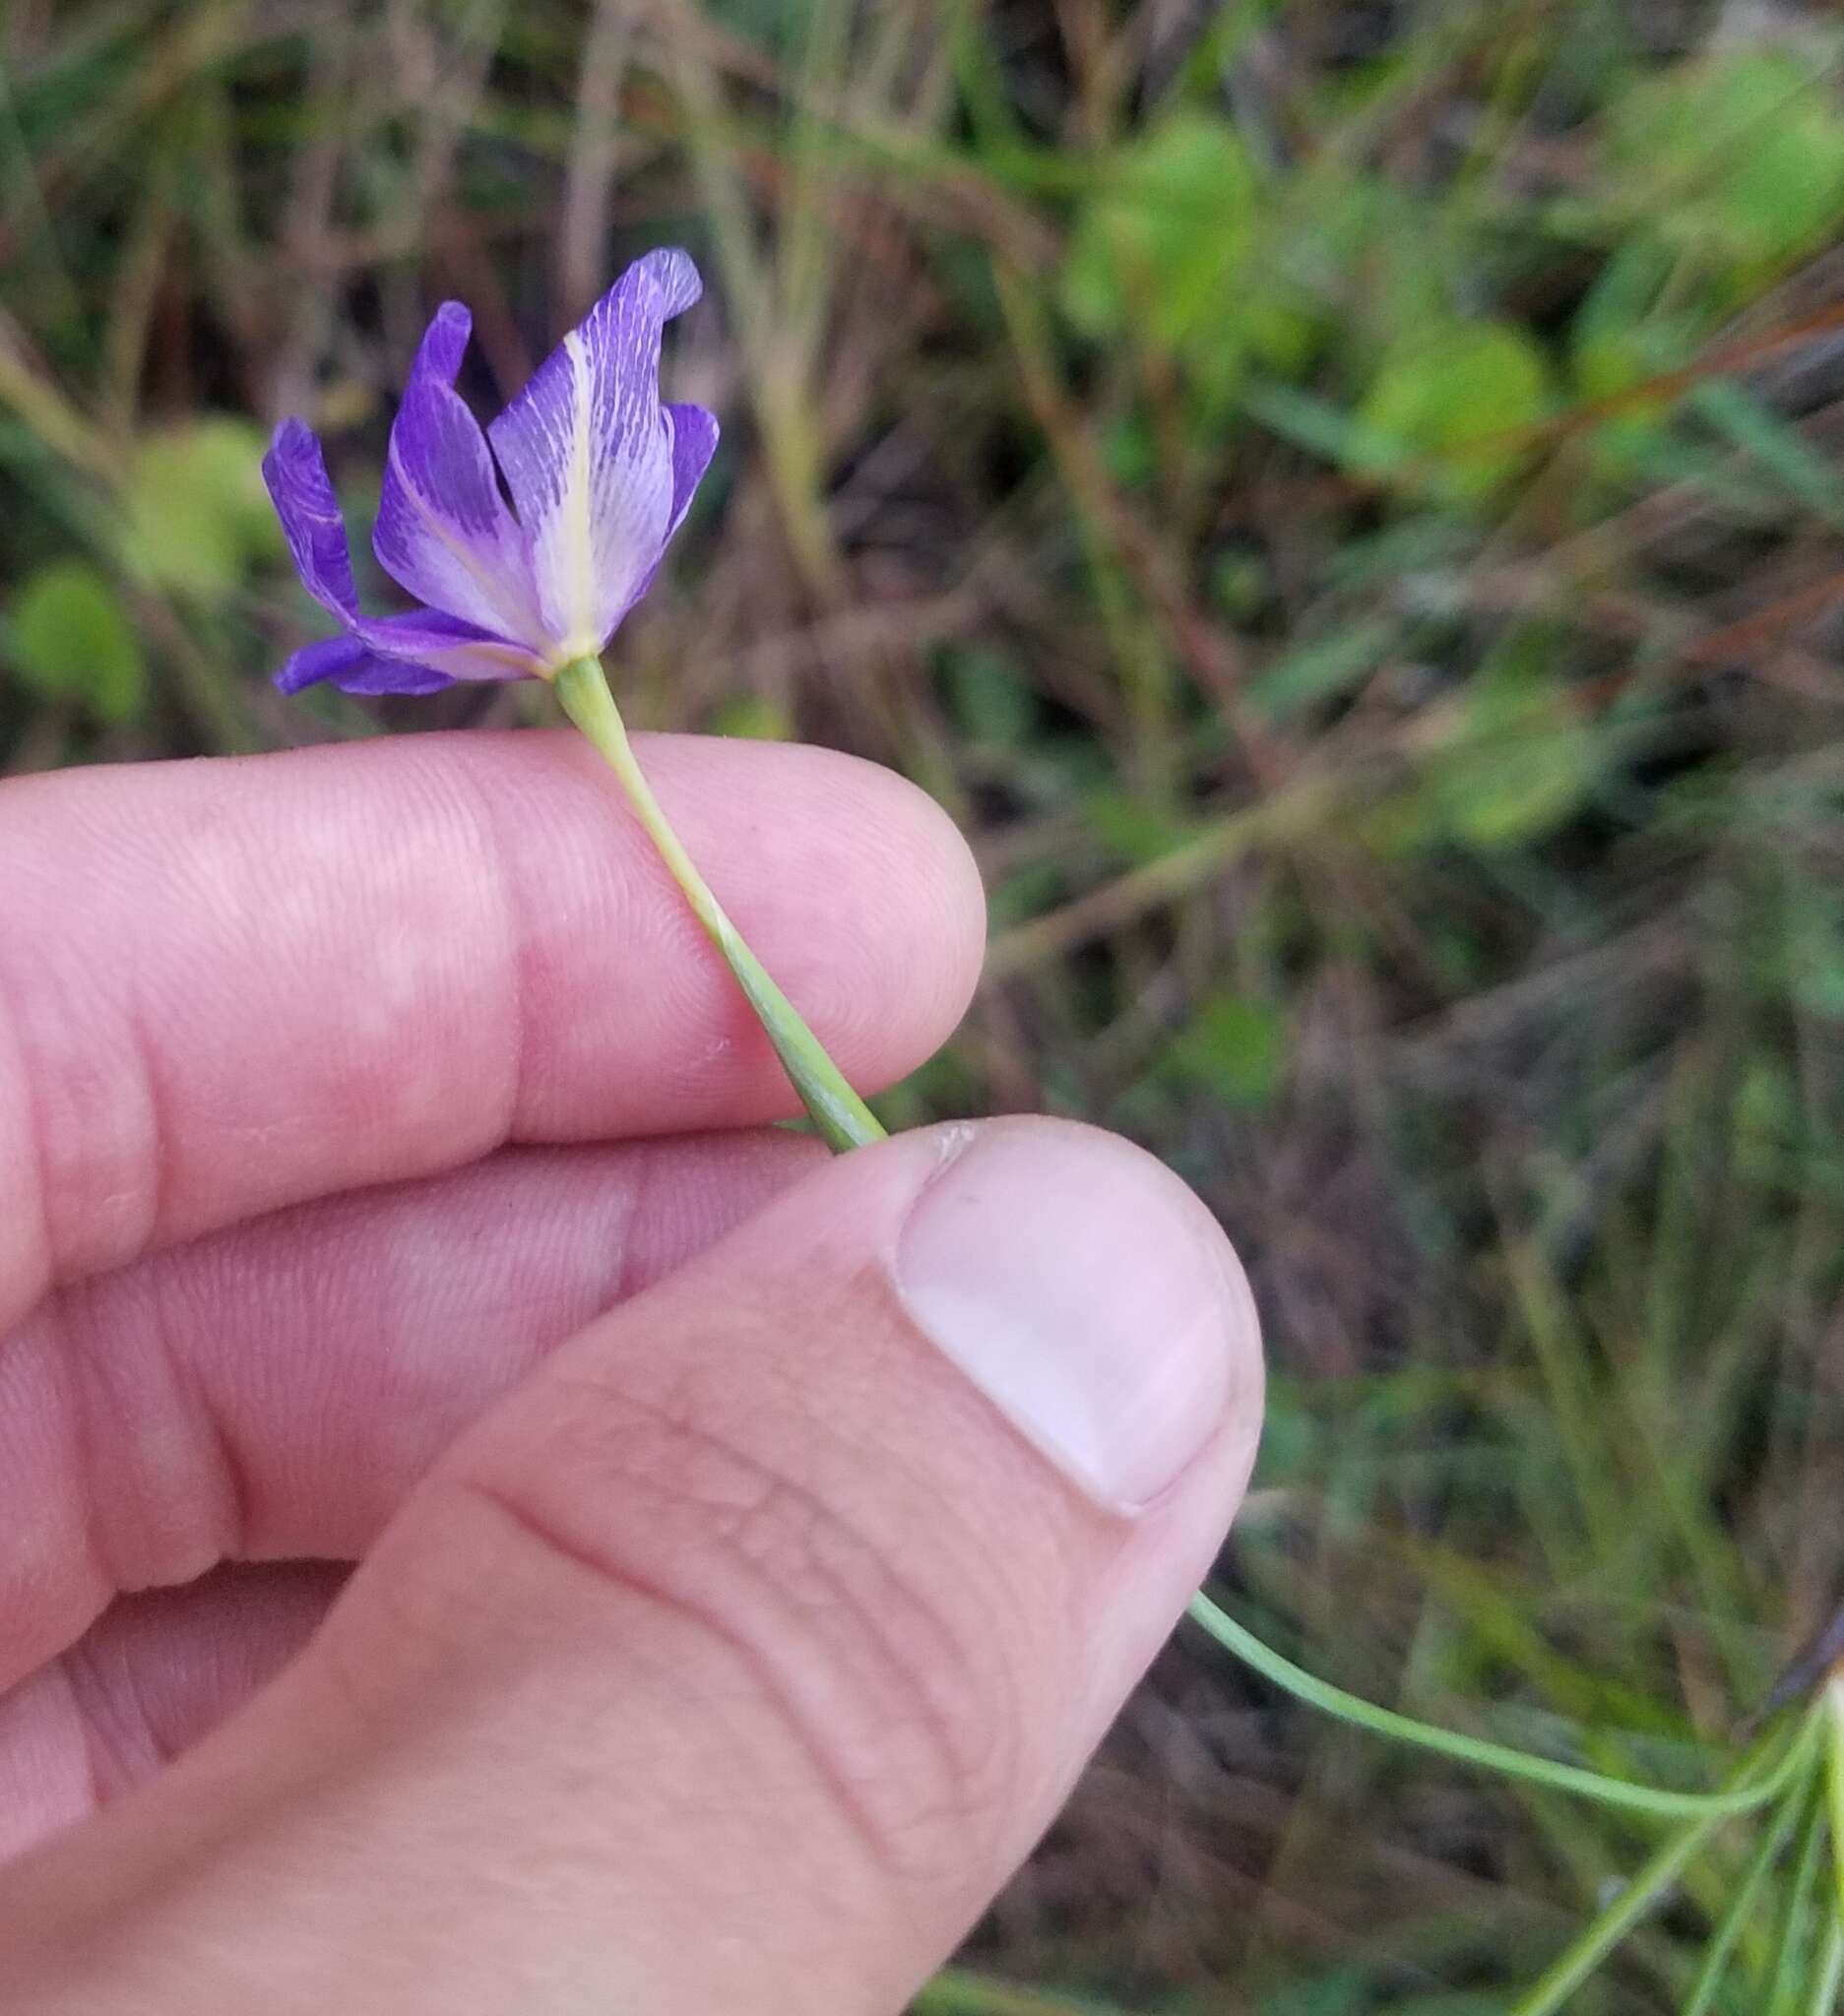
column 1830, row 1971
column 1835, row 1781
column 1658, row 1876
column 846, row 1122
column 1722, row 1944
column 1476, row 1750
column 1635, row 1901
column 1785, row 1998
column 958, row 1992
column 841, row 1116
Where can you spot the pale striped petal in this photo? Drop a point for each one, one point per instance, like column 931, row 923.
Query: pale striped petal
column 588, row 455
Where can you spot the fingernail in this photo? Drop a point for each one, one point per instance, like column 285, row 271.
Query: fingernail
column 1087, row 1295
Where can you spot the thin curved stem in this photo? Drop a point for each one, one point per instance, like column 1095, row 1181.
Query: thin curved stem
column 839, row 1114
column 1566, row 1975
column 1830, row 1971
column 845, row 1121
column 1474, row 1750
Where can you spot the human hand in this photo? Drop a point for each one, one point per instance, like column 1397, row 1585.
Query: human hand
column 752, row 1546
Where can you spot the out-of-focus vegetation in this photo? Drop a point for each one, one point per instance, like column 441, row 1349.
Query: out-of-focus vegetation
column 1343, row 502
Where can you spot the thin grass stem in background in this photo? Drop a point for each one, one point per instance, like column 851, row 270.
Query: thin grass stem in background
column 1792, row 1938
column 1639, row 1897
column 1830, row 1971
column 1728, row 1930
column 1834, row 1779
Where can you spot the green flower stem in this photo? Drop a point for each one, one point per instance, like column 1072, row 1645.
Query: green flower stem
column 1761, row 1865
column 1746, row 1795
column 845, row 1122
column 841, row 1117
column 1635, row 1901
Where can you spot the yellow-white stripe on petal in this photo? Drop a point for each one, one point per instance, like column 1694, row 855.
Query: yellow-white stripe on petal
column 587, row 454
column 576, row 543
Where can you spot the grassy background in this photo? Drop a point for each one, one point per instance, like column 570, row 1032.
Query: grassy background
column 1342, row 502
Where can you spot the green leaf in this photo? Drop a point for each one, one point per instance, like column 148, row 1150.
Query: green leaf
column 70, row 640
column 1169, row 226
column 1742, row 417
column 1456, row 388
column 1739, row 156
column 1812, row 974
column 1322, row 668
column 1130, row 827
column 993, row 707
column 1234, row 1046
column 1320, row 427
column 1514, row 760
column 1621, row 335
column 198, row 517
column 1624, row 336
column 1523, row 762
column 1025, row 893
column 1346, row 1992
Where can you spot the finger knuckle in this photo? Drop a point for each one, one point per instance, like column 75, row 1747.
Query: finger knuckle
column 859, row 1638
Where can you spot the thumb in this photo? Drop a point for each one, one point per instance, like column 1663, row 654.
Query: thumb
column 736, row 1659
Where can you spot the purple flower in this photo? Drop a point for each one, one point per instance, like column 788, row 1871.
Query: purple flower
column 599, row 475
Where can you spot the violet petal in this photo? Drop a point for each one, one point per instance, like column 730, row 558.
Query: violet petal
column 694, row 442
column 445, row 644
column 588, row 455
column 443, row 529
column 354, row 667
column 295, row 471
column 327, row 657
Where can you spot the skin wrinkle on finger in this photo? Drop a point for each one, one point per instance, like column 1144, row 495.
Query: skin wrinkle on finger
column 154, row 1673
column 919, row 1743
column 26, row 1237
column 303, row 971
column 744, row 1511
column 770, row 1559
column 278, row 1387
column 762, row 1520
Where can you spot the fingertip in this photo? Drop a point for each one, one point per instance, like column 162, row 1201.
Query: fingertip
column 867, row 887
column 918, row 918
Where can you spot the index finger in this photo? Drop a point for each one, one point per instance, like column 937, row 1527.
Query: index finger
column 234, row 984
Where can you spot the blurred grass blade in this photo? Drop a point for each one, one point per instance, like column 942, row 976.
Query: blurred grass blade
column 1649, row 1886
column 1728, row 1927
column 1792, row 1938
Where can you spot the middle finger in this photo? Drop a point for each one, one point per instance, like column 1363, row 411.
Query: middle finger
column 271, row 1392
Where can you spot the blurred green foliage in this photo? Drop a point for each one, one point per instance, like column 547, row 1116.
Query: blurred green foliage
column 1736, row 160
column 1342, row 501
column 68, row 637
column 1163, row 238
column 198, row 520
